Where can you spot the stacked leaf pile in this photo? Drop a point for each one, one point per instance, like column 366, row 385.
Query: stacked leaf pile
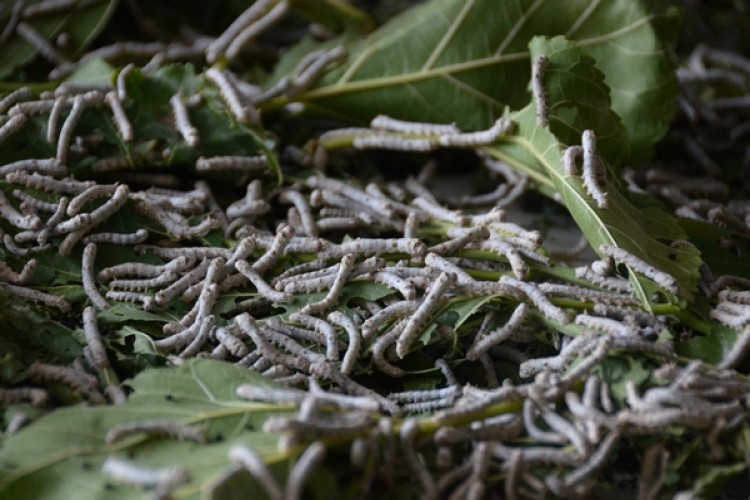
column 225, row 273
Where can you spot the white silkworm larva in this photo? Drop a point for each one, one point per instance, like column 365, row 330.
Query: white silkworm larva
column 242, row 163
column 49, row 166
column 393, row 281
column 394, row 143
column 502, row 247
column 371, row 325
column 241, row 113
column 8, row 212
column 7, row 274
column 66, row 132
column 36, row 296
column 534, row 294
column 94, row 340
column 260, row 284
column 303, row 207
column 139, row 236
column 122, row 84
column 355, row 340
column 324, row 328
column 13, row 125
column 416, row 323
column 251, row 14
column 161, row 428
column 255, row 465
column 40, row 44
column 664, row 280
column 13, row 98
column 586, row 294
column 541, row 98
column 283, row 236
column 303, row 468
column 437, row 262
column 37, row 397
column 608, row 325
column 182, row 121
column 482, row 345
column 54, row 118
column 570, row 156
column 434, row 210
column 242, row 251
column 472, row 139
column 309, row 72
column 206, row 325
column 408, row 434
column 79, row 381
column 146, row 301
column 378, row 351
column 118, row 114
column 592, row 169
column 132, row 474
column 93, row 192
column 233, row 344
column 384, row 122
column 738, row 351
column 256, row 28
column 337, row 288
column 459, row 239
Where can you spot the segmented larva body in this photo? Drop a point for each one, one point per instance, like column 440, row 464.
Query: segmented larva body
column 91, row 193
column 303, row 207
column 433, row 209
column 416, row 323
column 253, row 13
column 590, row 469
column 31, row 108
column 9, row 213
column 395, row 310
column 139, row 236
column 49, row 166
column 408, row 434
column 406, row 289
column 255, row 465
column 367, row 247
column 664, row 280
column 570, row 156
column 501, row 247
column 608, row 325
column 36, row 40
column 35, row 295
column 129, row 473
column 122, row 82
column 460, row 237
column 146, row 301
column 608, row 282
column 206, row 325
column 7, row 274
column 165, row 428
column 377, row 204
column 439, row 263
column 87, row 275
column 541, row 98
column 384, row 122
column 337, row 288
column 482, row 345
column 13, row 125
column 255, row 28
column 303, row 468
column 308, row 72
column 587, row 294
column 501, row 128
column 322, row 327
column 182, row 121
column 355, row 340
column 241, row 113
column 283, row 236
column 121, row 118
column 80, row 381
column 593, row 169
column 534, row 294
column 394, row 143
column 242, row 163
column 13, row 98
column 260, row 284
column 37, row 397
column 233, row 344
column 66, row 132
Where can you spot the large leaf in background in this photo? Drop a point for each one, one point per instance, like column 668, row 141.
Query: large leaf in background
column 82, row 24
column 466, row 60
column 579, row 100
column 60, row 455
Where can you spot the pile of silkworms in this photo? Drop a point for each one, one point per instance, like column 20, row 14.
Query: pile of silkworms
column 323, row 284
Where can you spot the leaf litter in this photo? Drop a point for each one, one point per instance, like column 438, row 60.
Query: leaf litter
column 298, row 323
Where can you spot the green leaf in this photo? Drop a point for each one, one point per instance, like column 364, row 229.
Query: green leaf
column 467, row 60
column 579, row 100
column 61, row 454
column 82, row 25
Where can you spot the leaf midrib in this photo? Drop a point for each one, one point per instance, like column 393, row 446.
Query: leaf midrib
column 345, row 85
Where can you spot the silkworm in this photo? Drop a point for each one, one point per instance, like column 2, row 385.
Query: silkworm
column 337, row 288
column 143, row 285
column 300, row 203
column 500, row 128
column 367, row 247
column 139, row 236
column 122, row 81
column 664, row 280
column 46, row 299
column 283, row 235
column 586, row 294
column 249, row 328
column 570, row 156
column 182, row 121
column 305, row 75
column 129, row 473
column 483, row 344
column 12, row 98
column 207, row 323
column 242, row 114
column 121, row 118
column 377, row 204
column 605, row 324
column 66, row 132
column 384, row 122
column 416, row 323
column 303, row 468
column 371, row 325
column 391, row 280
column 408, row 433
column 741, row 297
column 94, row 340
column 260, row 284
column 597, row 356
column 547, row 308
column 394, row 143
column 593, row 169
column 40, row 44
column 233, row 344
column 255, row 465
column 49, row 166
column 593, row 466
column 738, row 351
column 9, row 213
column 156, row 428
column 37, row 397
column 501, row 247
column 29, row 268
column 322, row 327
column 91, row 193
column 146, row 301
column 541, row 98
column 436, row 211
column 256, row 27
column 242, row 163
column 79, row 381
column 437, row 262
column 355, row 340
column 13, row 125
column 460, row 238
